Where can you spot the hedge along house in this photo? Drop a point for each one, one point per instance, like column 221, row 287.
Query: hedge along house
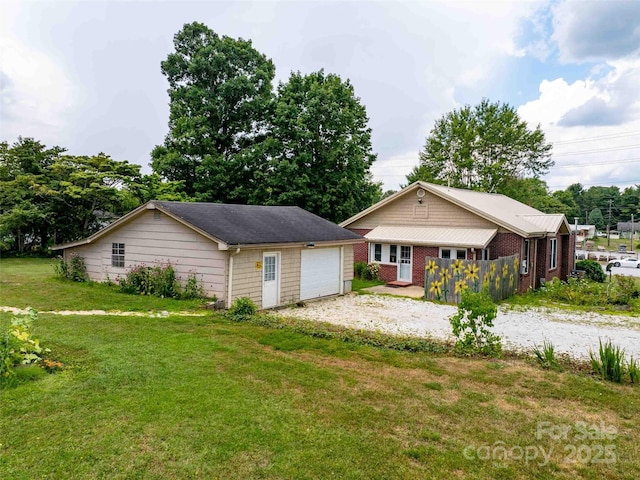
column 425, row 220
column 274, row 255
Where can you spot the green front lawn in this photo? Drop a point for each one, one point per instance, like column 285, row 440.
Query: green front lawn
column 31, row 282
column 203, row 397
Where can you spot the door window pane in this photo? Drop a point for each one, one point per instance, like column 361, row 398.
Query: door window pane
column 269, row 268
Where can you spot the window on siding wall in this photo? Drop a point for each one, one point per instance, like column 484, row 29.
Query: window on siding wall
column 393, row 254
column 377, row 252
column 525, row 257
column 453, row 253
column 553, row 253
column 484, row 254
column 117, row 254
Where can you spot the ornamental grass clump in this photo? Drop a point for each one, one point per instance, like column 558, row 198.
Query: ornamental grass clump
column 546, row 355
column 608, row 362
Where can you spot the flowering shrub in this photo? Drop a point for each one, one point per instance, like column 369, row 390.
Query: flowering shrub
column 75, row 269
column 161, row 281
column 471, row 325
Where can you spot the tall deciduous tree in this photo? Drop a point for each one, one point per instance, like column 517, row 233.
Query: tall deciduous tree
column 319, row 151
column 482, row 148
column 220, row 92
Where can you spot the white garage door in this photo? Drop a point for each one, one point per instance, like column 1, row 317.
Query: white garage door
column 319, row 273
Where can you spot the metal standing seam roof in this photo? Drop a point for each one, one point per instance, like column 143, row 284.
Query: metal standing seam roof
column 548, row 222
column 433, row 236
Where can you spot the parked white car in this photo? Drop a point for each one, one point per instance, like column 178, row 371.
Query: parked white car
column 625, row 262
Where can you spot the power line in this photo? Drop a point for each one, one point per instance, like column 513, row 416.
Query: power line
column 599, row 137
column 597, row 150
column 589, row 164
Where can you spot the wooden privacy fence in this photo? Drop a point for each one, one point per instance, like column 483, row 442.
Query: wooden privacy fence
column 445, row 279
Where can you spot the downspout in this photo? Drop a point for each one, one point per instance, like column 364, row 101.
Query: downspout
column 534, row 270
column 230, row 289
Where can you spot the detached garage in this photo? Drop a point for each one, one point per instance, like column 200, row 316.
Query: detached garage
column 273, row 255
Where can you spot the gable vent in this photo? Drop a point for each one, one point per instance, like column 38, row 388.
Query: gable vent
column 157, row 215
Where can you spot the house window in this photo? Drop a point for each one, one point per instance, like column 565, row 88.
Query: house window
column 484, row 254
column 453, row 253
column 117, row 254
column 525, row 258
column 553, row 253
column 377, row 252
column 393, row 254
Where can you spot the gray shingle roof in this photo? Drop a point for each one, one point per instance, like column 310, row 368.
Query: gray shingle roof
column 257, row 224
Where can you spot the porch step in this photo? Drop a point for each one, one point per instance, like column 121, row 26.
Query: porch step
column 398, row 283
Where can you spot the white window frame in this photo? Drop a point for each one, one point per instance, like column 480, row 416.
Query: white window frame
column 372, row 253
column 525, row 256
column 452, row 250
column 553, row 254
column 117, row 254
column 485, row 254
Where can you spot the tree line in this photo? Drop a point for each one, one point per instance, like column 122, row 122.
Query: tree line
column 234, row 138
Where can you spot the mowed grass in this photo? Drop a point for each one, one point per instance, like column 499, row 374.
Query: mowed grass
column 203, row 397
column 31, row 282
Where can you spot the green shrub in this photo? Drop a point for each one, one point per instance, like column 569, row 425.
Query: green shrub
column 18, row 345
column 242, row 309
column 193, row 288
column 361, row 270
column 158, row 280
column 608, row 362
column 623, row 290
column 546, row 356
column 366, row 271
column 593, row 270
column 471, row 325
column 75, row 269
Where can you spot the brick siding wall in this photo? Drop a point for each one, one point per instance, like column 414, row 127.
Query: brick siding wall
column 388, row 273
column 419, row 255
column 360, row 250
column 505, row 245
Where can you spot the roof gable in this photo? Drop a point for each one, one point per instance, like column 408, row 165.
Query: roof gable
column 496, row 208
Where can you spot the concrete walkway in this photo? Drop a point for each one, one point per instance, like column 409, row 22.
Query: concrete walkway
column 412, row 291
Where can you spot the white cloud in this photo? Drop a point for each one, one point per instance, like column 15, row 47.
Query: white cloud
column 596, row 31
column 36, row 93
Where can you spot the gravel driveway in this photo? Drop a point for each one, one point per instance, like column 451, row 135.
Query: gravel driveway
column 573, row 333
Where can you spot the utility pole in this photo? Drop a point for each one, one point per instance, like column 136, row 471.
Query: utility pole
column 633, row 227
column 609, row 223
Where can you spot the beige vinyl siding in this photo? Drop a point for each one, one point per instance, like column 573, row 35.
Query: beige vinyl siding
column 154, row 238
column 433, row 211
column 247, row 277
column 348, row 262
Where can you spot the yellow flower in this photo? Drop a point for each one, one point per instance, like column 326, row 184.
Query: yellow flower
column 511, row 278
column 457, row 266
column 445, row 275
column 497, row 283
column 431, row 267
column 505, row 270
column 460, row 286
column 516, row 264
column 436, row 288
column 471, row 272
column 492, row 270
column 485, row 280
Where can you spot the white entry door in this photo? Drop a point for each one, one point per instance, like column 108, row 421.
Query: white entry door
column 270, row 279
column 404, row 267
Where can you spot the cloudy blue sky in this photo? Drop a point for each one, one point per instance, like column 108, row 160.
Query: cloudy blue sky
column 86, row 75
